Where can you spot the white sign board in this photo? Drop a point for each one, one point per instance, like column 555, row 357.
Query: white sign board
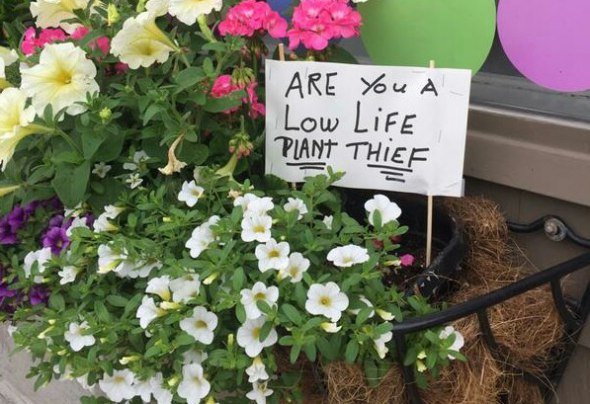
column 388, row 128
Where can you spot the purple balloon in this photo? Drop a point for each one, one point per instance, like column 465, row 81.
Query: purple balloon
column 548, row 41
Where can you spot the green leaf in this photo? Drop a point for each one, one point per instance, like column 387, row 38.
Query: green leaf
column 91, row 141
column 101, row 312
column 70, row 182
column 57, row 302
column 292, row 313
column 352, row 351
column 215, row 105
column 338, row 54
column 263, row 306
column 188, row 78
column 363, row 315
column 265, row 331
column 295, row 351
column 117, row 301
column 238, row 279
column 193, row 153
column 311, row 351
column 184, row 339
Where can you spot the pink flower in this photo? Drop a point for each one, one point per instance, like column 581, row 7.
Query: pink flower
column 103, row 43
column 251, row 17
column 31, row 42
column 316, row 22
column 224, row 86
column 407, row 260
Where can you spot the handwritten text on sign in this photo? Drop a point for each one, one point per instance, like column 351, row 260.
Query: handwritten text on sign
column 389, row 128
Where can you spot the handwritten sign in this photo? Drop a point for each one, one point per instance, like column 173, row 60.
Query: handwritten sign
column 389, row 128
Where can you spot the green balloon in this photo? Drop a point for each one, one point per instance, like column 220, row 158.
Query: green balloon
column 453, row 33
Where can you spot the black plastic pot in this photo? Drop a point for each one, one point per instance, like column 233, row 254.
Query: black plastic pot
column 448, row 241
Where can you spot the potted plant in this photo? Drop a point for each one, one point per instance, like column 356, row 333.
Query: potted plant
column 176, row 271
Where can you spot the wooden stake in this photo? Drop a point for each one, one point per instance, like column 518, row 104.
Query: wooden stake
column 430, row 208
column 282, row 59
column 282, row 52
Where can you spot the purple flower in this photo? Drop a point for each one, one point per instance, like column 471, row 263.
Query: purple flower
column 38, row 295
column 7, row 235
column 57, row 239
column 5, row 290
column 31, row 207
column 17, row 218
column 56, row 221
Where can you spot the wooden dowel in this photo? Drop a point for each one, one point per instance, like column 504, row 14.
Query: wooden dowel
column 429, row 217
column 282, row 52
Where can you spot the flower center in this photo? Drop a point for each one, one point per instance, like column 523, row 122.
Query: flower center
column 274, row 254
column 200, row 324
column 293, row 271
column 325, row 301
column 119, row 379
column 196, row 193
column 63, row 77
column 256, row 333
column 259, row 296
column 259, row 229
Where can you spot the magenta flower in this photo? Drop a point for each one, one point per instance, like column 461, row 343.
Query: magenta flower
column 407, row 260
column 316, row 22
column 31, row 42
column 224, row 86
column 251, row 17
column 103, row 43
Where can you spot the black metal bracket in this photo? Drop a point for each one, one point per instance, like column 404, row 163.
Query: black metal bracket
column 573, row 317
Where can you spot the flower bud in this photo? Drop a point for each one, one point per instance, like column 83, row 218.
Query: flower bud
column 230, row 341
column 8, row 190
column 52, row 322
column 128, row 359
column 209, row 280
column 420, row 366
column 173, row 381
column 113, row 15
column 166, row 219
column 43, row 335
column 105, row 114
column 385, row 315
column 242, row 76
column 422, row 355
column 332, row 328
column 63, row 352
column 170, row 306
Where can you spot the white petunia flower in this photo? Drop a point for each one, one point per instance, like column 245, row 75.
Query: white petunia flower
column 185, row 288
column 193, row 386
column 367, row 303
column 160, row 286
column 63, row 79
column 259, row 393
column 68, row 274
column 202, row 237
column 15, row 120
column 296, row 204
column 110, row 260
column 194, row 356
column 101, row 169
column 8, row 56
column 141, row 43
column 139, row 158
column 78, row 337
column 138, row 269
column 256, row 228
column 248, row 337
column 119, row 386
column 272, row 255
column 201, row 325
column 348, row 255
column 190, row 193
column 55, row 13
column 253, row 205
column 380, row 342
column 134, row 180
column 326, row 300
column 161, row 394
column 388, row 210
column 148, row 312
column 256, row 371
column 259, row 292
column 41, row 257
column 77, row 222
column 187, row 11
column 298, row 265
column 459, row 339
column 385, row 315
column 157, row 8
column 102, row 223
column 328, row 221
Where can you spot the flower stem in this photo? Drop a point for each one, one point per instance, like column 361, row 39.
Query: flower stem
column 202, row 20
